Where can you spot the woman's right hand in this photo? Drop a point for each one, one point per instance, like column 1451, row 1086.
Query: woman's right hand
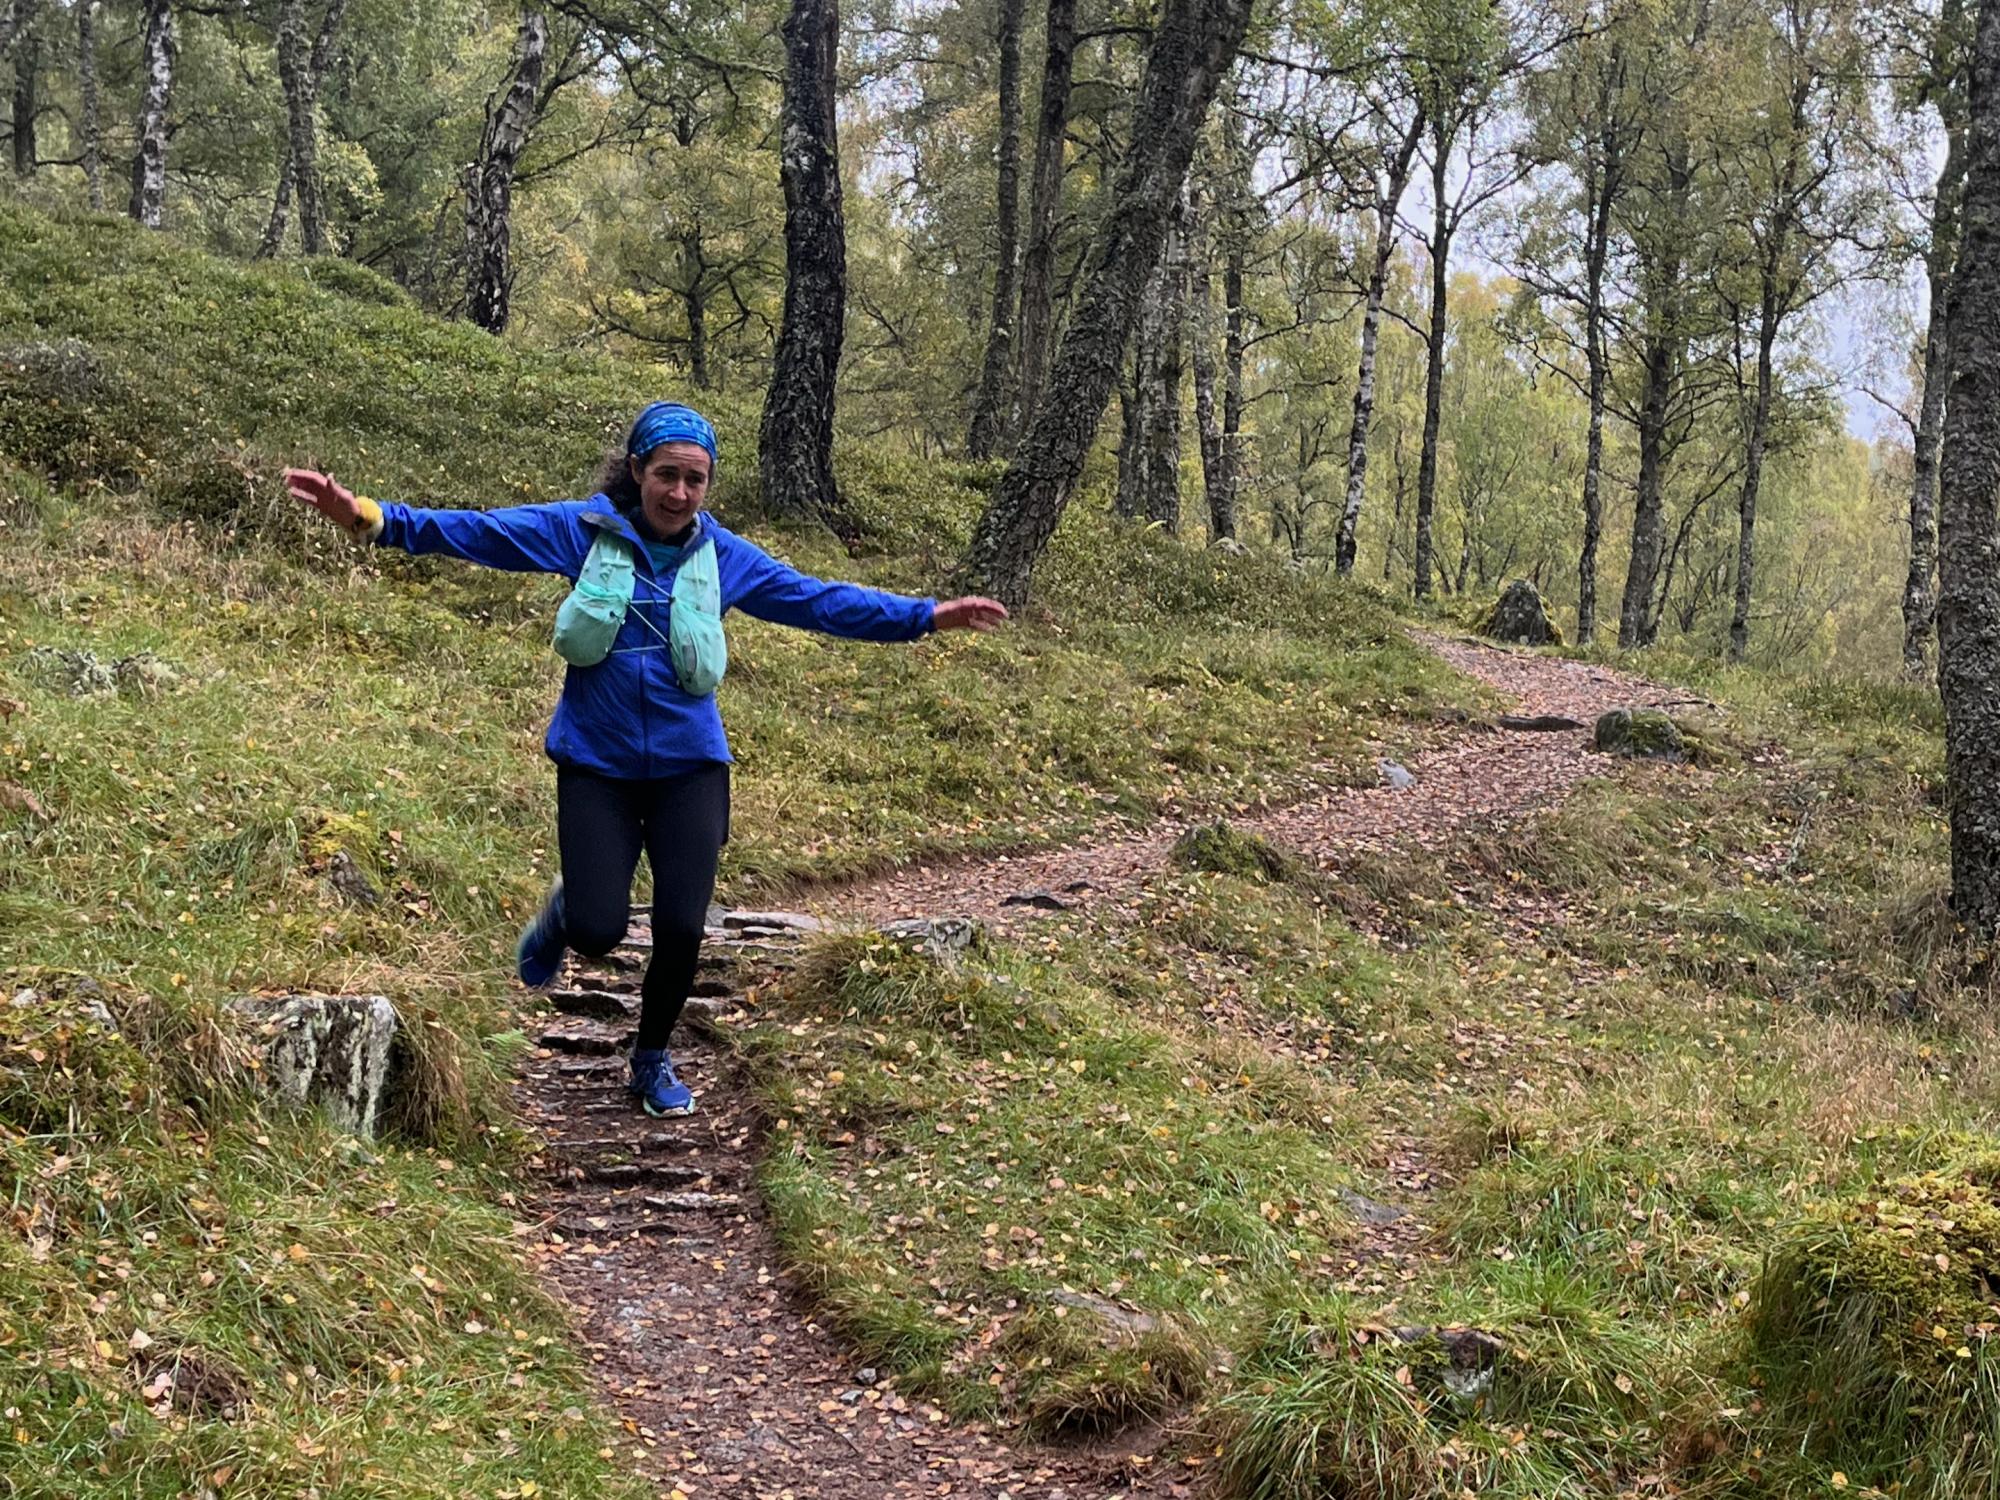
column 326, row 495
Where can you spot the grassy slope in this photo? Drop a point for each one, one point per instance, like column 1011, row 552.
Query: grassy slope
column 330, row 703
column 1640, row 1042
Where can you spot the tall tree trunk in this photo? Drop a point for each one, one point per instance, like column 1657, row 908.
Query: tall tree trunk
column 27, row 87
column 1662, row 348
column 796, row 438
column 1604, row 178
column 12, row 17
column 1218, row 485
column 1968, row 619
column 149, row 166
column 1768, row 313
column 694, row 299
column 993, row 406
column 1235, row 345
column 1163, row 409
column 489, row 181
column 1135, row 391
column 1387, row 200
column 1940, row 257
column 86, row 68
column 281, row 208
column 1648, row 516
column 302, row 136
column 1193, row 44
column 1427, row 462
column 1045, row 191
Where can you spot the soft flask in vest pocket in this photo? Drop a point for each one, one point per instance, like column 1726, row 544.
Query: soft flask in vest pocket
column 590, row 618
column 700, row 652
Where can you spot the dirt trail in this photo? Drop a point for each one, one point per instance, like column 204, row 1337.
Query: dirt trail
column 1473, row 776
column 654, row 1236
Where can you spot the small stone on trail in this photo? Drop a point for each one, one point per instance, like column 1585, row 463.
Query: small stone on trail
column 940, row 938
column 1041, row 900
column 774, row 921
column 1367, row 1210
column 1399, row 778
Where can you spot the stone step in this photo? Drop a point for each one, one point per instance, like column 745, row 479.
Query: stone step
column 594, row 1004
column 652, row 1140
column 635, row 1173
column 581, row 1043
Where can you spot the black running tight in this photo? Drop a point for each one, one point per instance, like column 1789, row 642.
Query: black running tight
column 681, row 822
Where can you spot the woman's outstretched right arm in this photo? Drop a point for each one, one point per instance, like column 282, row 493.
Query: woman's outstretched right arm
column 518, row 538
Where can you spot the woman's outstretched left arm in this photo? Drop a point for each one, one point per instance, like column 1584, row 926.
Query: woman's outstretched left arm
column 782, row 594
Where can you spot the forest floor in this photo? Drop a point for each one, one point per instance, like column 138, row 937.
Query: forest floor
column 725, row 1378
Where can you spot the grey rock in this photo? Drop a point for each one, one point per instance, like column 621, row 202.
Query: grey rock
column 347, row 877
column 1123, row 1322
column 1520, row 617
column 1367, row 1210
column 940, row 938
column 1228, row 546
column 1399, row 778
column 145, row 674
column 329, row 1052
column 867, row 1376
column 75, row 674
column 773, row 921
column 1471, row 1354
column 1639, row 734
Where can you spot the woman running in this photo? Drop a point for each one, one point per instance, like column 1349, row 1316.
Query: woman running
column 641, row 758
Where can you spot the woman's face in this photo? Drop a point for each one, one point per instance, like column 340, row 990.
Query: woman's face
column 673, row 483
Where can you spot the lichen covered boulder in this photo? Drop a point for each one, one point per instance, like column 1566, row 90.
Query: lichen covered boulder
column 65, row 416
column 1520, row 618
column 329, row 1052
column 1639, row 734
column 1877, row 1315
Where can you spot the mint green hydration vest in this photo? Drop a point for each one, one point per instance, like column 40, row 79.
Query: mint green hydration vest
column 590, row 618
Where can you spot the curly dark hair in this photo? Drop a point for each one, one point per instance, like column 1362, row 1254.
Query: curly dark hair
column 615, row 481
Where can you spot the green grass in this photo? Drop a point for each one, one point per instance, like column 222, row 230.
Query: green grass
column 176, row 848
column 1738, row 1011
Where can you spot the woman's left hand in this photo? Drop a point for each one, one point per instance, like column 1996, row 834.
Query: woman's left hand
column 970, row 613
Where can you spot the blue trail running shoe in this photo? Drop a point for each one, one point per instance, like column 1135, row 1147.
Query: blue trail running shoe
column 539, row 954
column 660, row 1091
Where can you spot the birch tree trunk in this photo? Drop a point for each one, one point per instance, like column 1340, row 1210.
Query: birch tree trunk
column 1753, row 459
column 1604, row 178
column 1204, row 331
column 302, row 139
column 27, row 86
column 1162, row 445
column 1193, row 45
column 1968, row 619
column 1387, row 201
column 1940, row 257
column 92, row 131
column 1045, row 191
column 1427, row 460
column 149, row 166
column 489, row 182
column 992, row 408
column 796, row 438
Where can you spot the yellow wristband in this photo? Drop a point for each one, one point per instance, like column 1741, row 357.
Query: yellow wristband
column 368, row 523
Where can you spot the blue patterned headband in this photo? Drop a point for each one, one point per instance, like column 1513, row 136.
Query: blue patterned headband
column 665, row 422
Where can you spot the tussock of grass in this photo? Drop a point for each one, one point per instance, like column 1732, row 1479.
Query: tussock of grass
column 231, row 1292
column 956, row 1147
